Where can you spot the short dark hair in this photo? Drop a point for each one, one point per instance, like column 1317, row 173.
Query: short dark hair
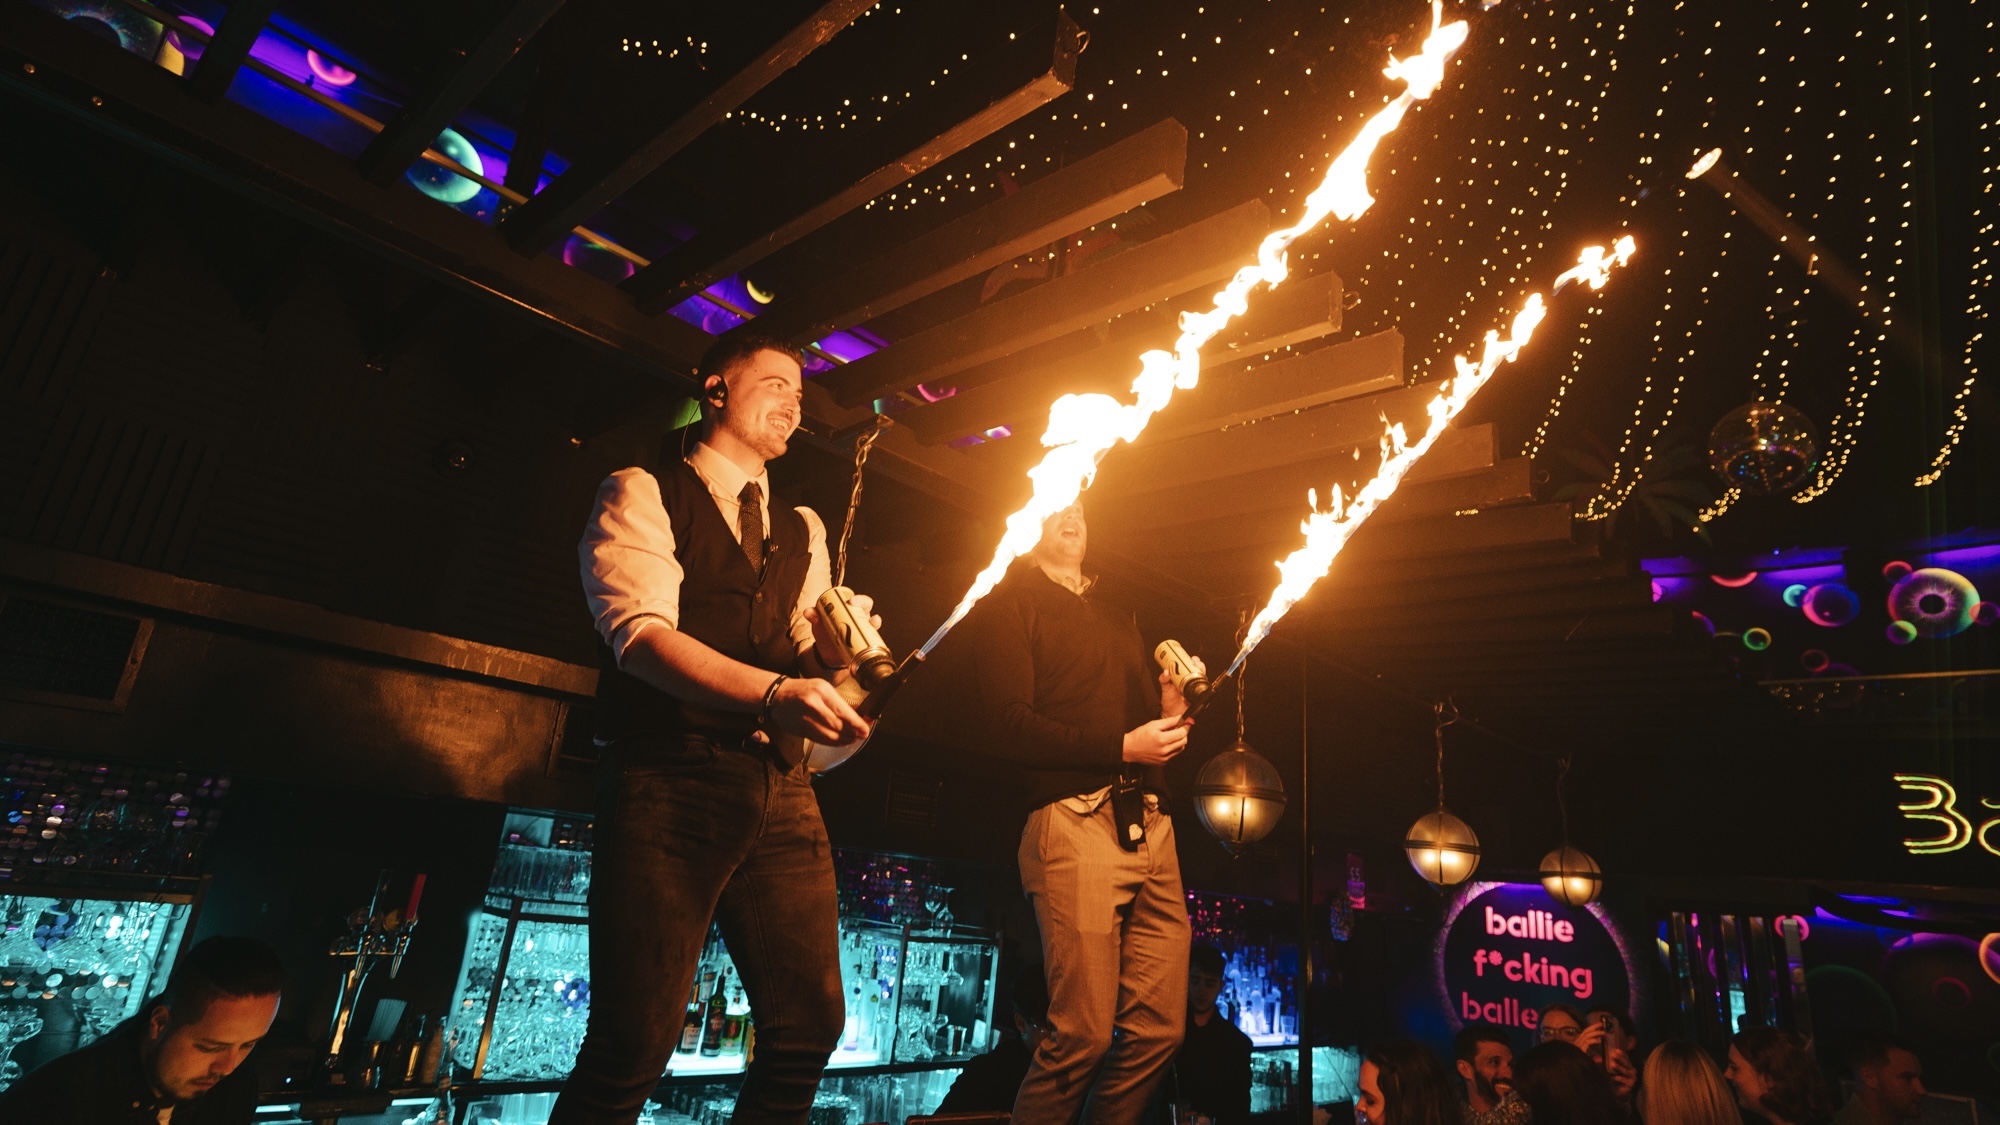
column 1415, row 1090
column 1562, row 1086
column 1871, row 1050
column 1797, row 1091
column 1031, row 994
column 1466, row 1045
column 1208, row 959
column 731, row 349
column 218, row 967
column 1570, row 1010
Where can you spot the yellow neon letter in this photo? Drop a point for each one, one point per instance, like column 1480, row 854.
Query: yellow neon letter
column 1939, row 795
column 1988, row 827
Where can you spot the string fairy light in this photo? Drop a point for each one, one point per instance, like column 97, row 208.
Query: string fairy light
column 1980, row 283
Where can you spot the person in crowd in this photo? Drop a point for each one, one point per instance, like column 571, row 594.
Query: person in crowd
column 1597, row 1035
column 1564, row 1086
column 1888, row 1083
column 1403, row 1083
column 989, row 1082
column 179, row 1061
column 1775, row 1079
column 1211, row 1075
column 1486, row 1064
column 1685, row 1087
column 715, row 670
column 1619, row 1032
column 1068, row 695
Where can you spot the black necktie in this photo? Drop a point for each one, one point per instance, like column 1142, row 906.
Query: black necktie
column 750, row 525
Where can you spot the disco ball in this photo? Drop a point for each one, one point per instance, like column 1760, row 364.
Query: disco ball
column 1764, row 448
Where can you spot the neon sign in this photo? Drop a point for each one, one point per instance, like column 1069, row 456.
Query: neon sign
column 1508, row 950
column 1937, row 803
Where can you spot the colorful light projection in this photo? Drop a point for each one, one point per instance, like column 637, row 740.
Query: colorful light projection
column 1936, row 802
column 442, row 184
column 1934, row 602
column 1083, row 428
column 1507, row 950
column 1328, row 531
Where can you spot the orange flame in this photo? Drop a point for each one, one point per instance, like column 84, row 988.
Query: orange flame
column 1083, row 428
column 1327, row 531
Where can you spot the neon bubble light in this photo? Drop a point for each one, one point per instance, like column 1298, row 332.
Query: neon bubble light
column 1327, row 531
column 1083, row 428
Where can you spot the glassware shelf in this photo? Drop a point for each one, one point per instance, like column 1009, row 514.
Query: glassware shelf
column 918, row 988
column 73, row 965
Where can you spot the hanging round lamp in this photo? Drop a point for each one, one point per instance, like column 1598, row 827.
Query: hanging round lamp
column 1569, row 874
column 1238, row 794
column 1571, row 877
column 1443, row 848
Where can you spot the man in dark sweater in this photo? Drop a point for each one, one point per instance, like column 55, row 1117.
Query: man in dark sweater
column 179, row 1061
column 1069, row 695
column 989, row 1082
column 1212, row 1070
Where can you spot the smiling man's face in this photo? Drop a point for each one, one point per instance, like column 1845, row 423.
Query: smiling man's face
column 762, row 410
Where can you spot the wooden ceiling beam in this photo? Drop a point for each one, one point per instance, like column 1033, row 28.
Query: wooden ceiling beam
column 449, row 89
column 1153, row 466
column 1304, row 310
column 225, row 54
column 730, row 247
column 600, row 177
column 1164, row 267
column 1143, row 167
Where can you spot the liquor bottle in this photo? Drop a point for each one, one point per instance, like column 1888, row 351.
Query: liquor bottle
column 431, row 1058
column 735, row 1018
column 409, row 1052
column 713, row 1023
column 691, row 1022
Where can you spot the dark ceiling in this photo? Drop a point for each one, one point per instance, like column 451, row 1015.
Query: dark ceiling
column 1561, row 125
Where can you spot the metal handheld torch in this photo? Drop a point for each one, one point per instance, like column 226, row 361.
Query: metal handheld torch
column 1185, row 674
column 876, row 677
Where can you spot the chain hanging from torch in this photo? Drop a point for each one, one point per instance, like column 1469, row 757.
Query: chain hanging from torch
column 862, row 445
column 1439, row 711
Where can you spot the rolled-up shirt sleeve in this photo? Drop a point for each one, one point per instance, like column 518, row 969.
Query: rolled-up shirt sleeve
column 631, row 579
column 819, row 577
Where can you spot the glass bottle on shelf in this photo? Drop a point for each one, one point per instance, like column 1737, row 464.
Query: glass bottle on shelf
column 735, row 1020
column 715, row 1022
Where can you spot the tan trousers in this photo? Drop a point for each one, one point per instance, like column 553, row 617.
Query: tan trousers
column 1115, row 945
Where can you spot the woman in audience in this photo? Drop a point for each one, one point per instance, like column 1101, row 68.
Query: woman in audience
column 1685, row 1087
column 1564, row 1086
column 1402, row 1083
column 1775, row 1079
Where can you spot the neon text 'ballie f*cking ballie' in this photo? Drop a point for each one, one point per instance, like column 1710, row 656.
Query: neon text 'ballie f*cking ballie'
column 1082, row 428
column 1327, row 531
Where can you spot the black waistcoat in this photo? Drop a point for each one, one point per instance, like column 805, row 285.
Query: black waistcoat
column 723, row 605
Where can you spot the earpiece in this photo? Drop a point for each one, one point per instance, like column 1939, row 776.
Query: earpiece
column 718, row 393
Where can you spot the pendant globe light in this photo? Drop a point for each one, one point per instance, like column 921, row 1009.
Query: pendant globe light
column 1443, row 848
column 1569, row 874
column 1238, row 794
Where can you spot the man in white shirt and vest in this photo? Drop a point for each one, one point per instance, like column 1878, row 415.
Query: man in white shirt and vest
column 713, row 677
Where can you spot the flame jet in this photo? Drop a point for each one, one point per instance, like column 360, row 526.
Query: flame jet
column 1083, row 428
column 1327, row 531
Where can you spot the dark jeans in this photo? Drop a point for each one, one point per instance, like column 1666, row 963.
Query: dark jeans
column 684, row 835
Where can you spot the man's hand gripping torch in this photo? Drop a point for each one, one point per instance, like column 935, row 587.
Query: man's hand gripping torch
column 1187, row 677
column 876, row 676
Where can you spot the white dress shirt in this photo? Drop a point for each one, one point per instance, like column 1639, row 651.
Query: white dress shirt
column 630, row 575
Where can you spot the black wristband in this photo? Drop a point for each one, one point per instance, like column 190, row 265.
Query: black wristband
column 770, row 695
